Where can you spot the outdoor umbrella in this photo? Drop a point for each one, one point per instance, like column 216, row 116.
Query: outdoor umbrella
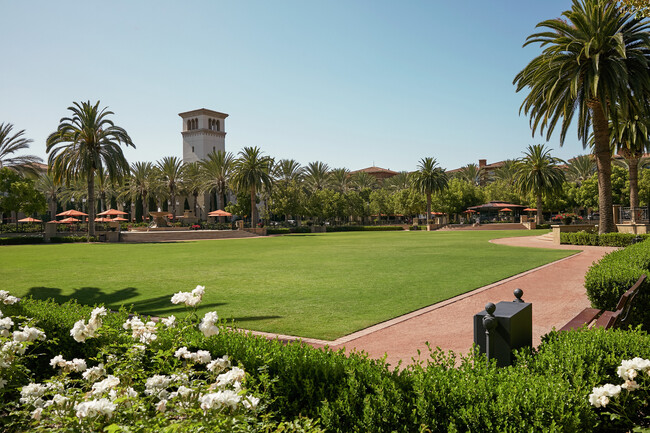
column 506, row 209
column 112, row 212
column 119, row 219
column 72, row 213
column 102, row 220
column 219, row 213
column 68, row 220
column 469, row 211
column 528, row 209
column 29, row 220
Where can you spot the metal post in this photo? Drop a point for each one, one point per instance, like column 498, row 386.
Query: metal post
column 489, row 323
column 518, row 294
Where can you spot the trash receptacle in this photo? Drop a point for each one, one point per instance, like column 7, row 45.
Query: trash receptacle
column 514, row 330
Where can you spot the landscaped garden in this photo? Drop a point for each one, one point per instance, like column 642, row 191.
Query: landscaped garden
column 319, row 286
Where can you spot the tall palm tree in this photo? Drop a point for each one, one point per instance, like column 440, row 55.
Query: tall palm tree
column 142, row 183
column 539, row 173
column 593, row 60
column 362, row 180
column 428, row 179
column 399, row 182
column 507, row 172
column 472, row 174
column 171, row 172
column 252, row 171
column 288, row 170
column 87, row 145
column 51, row 189
column 317, row 175
column 580, row 168
column 193, row 184
column 340, row 180
column 630, row 140
column 216, row 173
column 10, row 144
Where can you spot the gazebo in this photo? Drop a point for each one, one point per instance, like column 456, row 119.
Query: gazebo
column 490, row 211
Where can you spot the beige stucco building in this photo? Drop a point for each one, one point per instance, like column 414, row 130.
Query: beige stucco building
column 204, row 132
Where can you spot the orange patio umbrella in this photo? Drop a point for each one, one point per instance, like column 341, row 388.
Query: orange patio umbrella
column 469, row 211
column 119, row 219
column 506, row 209
column 68, row 220
column 219, row 213
column 72, row 213
column 529, row 209
column 102, row 220
column 112, row 212
column 29, row 220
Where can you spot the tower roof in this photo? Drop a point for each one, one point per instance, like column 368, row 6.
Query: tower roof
column 203, row 111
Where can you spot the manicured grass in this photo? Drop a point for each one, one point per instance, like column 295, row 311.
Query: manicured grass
column 321, row 286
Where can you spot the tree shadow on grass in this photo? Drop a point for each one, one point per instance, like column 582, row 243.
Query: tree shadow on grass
column 115, row 300
column 252, row 318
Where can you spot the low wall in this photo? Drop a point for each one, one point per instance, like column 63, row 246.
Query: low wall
column 572, row 228
column 256, row 231
column 636, row 229
column 187, row 235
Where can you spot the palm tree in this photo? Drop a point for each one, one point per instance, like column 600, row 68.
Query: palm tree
column 171, row 172
column 288, row 170
column 87, row 145
column 192, row 183
column 51, row 189
column 630, row 139
column 399, row 182
column 580, row 168
column 216, row 173
column 472, row 174
column 317, row 176
column 142, row 183
column 428, row 179
column 592, row 61
column 538, row 173
column 507, row 172
column 10, row 144
column 340, row 180
column 252, row 171
column 362, row 180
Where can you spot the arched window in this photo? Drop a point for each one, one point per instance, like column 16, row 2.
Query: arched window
column 189, row 124
column 192, row 149
column 218, row 126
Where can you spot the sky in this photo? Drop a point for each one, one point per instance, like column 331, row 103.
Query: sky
column 351, row 83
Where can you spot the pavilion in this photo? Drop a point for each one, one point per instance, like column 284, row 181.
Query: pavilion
column 490, row 211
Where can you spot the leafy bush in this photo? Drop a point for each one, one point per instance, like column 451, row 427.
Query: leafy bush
column 21, row 240
column 72, row 239
column 546, row 390
column 614, row 274
column 604, row 240
column 364, row 228
column 278, row 231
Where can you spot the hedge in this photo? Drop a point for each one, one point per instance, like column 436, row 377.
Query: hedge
column 604, row 240
column 21, row 240
column 614, row 274
column 546, row 390
column 364, row 228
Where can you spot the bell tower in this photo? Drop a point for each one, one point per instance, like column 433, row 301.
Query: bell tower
column 204, row 132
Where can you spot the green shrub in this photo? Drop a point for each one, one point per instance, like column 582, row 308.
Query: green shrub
column 72, row 239
column 605, row 239
column 614, row 274
column 21, row 240
column 364, row 228
column 278, row 231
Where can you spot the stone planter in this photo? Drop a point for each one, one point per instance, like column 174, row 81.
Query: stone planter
column 557, row 229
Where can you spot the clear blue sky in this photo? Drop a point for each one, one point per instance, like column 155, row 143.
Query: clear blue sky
column 350, row 83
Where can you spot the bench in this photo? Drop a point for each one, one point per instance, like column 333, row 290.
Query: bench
column 593, row 317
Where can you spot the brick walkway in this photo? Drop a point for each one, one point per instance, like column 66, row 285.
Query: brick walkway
column 556, row 291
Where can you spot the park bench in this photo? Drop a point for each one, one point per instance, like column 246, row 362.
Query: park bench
column 593, row 317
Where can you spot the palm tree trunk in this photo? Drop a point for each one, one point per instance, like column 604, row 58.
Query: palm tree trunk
column 91, row 205
column 196, row 204
column 633, row 168
column 145, row 206
column 604, row 166
column 253, row 207
column 540, row 215
column 173, row 198
column 52, row 208
column 428, row 208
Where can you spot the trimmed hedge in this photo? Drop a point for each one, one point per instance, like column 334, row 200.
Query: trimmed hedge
column 614, row 274
column 545, row 390
column 364, row 228
column 603, row 240
column 21, row 240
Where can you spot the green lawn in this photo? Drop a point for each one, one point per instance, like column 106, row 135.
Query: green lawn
column 321, row 286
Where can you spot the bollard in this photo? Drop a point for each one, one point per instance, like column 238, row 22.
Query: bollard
column 518, row 294
column 489, row 323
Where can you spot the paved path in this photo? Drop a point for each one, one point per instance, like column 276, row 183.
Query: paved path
column 556, row 291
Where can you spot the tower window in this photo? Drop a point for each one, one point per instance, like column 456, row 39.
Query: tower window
column 192, row 149
column 217, row 126
column 189, row 125
column 214, row 149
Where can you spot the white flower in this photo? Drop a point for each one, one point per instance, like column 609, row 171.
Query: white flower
column 32, row 393
column 207, row 325
column 5, row 324
column 3, row 383
column 59, row 400
column 57, row 361
column 144, row 332
column 199, row 291
column 202, row 357
column 629, row 368
column 93, row 408
column 161, row 406
column 78, row 331
column 219, row 364
column 234, row 376
column 76, row 364
column 183, row 353
column 7, row 299
column 190, row 299
column 105, row 385
column 36, row 414
column 29, row 334
column 250, row 402
column 599, row 396
column 219, row 399
column 169, row 322
column 157, row 386
column 94, row 373
column 130, row 392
